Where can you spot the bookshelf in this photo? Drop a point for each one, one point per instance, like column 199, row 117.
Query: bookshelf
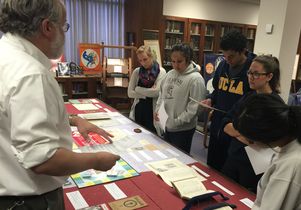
column 80, row 87
column 250, row 32
column 116, row 76
column 195, row 39
column 174, row 31
column 224, row 28
column 203, row 35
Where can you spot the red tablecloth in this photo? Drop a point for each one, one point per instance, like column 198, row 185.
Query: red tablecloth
column 156, row 193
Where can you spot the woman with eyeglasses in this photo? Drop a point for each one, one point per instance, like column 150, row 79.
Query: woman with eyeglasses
column 264, row 120
column 263, row 77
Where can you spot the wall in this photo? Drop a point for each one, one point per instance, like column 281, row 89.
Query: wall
column 139, row 15
column 283, row 42
column 220, row 10
column 142, row 14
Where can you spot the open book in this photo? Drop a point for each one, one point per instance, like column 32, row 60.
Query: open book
column 180, row 176
column 190, row 187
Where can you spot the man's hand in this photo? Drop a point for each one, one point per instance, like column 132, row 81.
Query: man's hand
column 105, row 161
column 207, row 101
column 85, row 127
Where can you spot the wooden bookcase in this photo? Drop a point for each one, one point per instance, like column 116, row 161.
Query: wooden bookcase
column 203, row 35
column 80, row 87
column 194, row 37
column 116, row 76
column 174, row 30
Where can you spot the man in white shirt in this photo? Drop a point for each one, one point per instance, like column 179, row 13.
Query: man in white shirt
column 35, row 135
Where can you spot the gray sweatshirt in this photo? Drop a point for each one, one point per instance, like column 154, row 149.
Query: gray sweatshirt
column 176, row 88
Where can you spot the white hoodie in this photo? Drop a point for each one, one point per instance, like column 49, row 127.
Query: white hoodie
column 175, row 91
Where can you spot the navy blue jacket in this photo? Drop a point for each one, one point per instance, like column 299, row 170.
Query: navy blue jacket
column 227, row 91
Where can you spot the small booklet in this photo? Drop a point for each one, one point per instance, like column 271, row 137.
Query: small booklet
column 134, row 202
column 189, row 188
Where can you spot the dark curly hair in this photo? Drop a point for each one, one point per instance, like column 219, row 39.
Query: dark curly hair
column 185, row 50
column 233, row 40
column 23, row 17
column 266, row 118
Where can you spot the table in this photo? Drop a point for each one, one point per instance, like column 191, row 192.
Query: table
column 156, row 193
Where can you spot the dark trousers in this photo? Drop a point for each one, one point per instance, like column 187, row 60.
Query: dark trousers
column 180, row 139
column 218, row 150
column 239, row 168
column 144, row 113
column 53, row 200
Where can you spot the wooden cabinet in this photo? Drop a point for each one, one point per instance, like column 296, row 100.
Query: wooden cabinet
column 203, row 35
column 195, row 38
column 174, row 31
column 250, row 32
column 116, row 76
column 80, row 87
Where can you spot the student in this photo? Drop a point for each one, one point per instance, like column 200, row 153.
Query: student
column 181, row 83
column 35, row 137
column 264, row 77
column 265, row 120
column 144, row 87
column 230, row 83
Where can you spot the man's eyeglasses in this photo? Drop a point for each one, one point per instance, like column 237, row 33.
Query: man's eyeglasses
column 66, row 27
column 255, row 74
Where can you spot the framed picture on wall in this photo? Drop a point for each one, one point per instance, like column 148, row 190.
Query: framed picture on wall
column 90, row 57
column 155, row 47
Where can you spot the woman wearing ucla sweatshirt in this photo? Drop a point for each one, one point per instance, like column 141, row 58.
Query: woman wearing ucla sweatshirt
column 181, row 83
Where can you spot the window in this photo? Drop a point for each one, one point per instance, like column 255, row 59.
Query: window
column 94, row 21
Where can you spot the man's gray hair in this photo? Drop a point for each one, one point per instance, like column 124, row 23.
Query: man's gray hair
column 23, row 17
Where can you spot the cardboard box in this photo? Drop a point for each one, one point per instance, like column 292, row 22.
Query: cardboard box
column 117, row 82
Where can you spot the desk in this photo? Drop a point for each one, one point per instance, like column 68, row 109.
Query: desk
column 156, row 193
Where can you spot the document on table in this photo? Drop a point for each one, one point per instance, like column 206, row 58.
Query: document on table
column 83, row 107
column 260, row 158
column 162, row 116
column 77, row 200
column 115, row 191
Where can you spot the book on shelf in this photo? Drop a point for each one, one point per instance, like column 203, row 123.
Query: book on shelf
column 208, row 45
column 250, row 33
column 209, row 30
column 194, row 29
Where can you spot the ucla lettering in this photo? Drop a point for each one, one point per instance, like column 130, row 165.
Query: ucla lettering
column 223, row 83
column 230, row 86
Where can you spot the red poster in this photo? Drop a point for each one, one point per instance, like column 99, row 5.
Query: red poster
column 90, row 57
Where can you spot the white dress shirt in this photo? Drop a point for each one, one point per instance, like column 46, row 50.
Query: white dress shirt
column 33, row 120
